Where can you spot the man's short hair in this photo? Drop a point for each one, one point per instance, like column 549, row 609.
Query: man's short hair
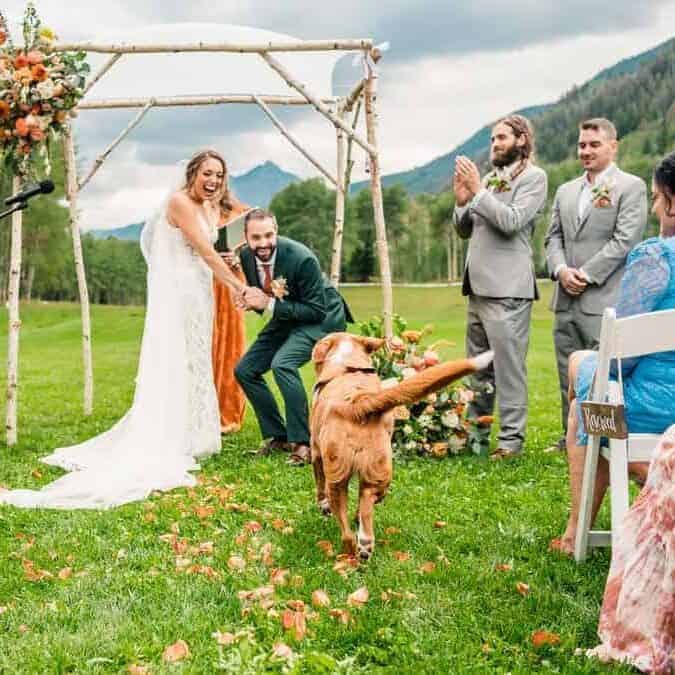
column 600, row 124
column 258, row 214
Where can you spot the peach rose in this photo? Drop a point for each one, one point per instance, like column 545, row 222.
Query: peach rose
column 35, row 57
column 39, row 73
column 3, row 37
column 5, row 110
column 21, row 126
column 23, row 75
column 37, row 135
column 20, row 61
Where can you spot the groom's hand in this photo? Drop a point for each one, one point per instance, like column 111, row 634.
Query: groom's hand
column 255, row 298
column 467, row 174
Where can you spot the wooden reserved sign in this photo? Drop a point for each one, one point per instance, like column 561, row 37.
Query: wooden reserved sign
column 605, row 419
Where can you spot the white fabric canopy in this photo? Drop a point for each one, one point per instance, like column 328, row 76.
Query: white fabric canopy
column 190, row 74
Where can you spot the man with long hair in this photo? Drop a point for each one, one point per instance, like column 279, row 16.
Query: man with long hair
column 497, row 215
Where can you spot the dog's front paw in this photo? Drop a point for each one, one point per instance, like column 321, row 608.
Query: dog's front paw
column 324, row 507
column 365, row 549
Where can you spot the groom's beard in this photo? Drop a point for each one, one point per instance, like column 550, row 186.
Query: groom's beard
column 264, row 253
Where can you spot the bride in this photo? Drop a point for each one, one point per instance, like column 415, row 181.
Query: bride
column 174, row 419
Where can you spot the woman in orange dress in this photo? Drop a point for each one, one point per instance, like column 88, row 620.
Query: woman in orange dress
column 229, row 336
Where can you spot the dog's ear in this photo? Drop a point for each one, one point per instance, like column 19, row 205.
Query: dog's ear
column 371, row 344
column 322, row 349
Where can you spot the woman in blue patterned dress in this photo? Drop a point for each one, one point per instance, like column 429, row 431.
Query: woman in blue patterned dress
column 648, row 285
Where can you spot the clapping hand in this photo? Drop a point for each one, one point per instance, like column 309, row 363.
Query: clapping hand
column 466, row 181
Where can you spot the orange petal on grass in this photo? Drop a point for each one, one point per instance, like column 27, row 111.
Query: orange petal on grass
column 523, row 588
column 326, row 547
column 359, row 597
column 134, row 669
column 65, row 573
column 176, row 652
column 236, row 563
column 503, row 567
column 279, row 576
column 392, row 530
column 543, row 637
column 428, row 567
column 282, row 651
column 402, row 556
column 253, row 526
column 224, row 639
column 342, row 615
column 439, row 524
column 320, row 598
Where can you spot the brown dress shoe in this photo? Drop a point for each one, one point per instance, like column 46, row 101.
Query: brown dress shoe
column 270, row 445
column 300, row 454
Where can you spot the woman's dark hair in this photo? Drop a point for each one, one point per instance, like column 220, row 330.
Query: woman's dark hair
column 664, row 177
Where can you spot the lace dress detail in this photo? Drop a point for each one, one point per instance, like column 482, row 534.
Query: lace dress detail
column 195, row 285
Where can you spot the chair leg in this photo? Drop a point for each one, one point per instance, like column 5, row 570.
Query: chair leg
column 618, row 482
column 586, row 505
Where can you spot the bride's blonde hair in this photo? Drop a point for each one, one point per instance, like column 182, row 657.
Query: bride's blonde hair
column 225, row 201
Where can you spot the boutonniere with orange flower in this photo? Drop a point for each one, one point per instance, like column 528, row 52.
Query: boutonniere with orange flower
column 279, row 288
column 602, row 194
column 497, row 184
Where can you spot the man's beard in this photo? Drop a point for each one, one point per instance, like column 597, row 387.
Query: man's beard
column 506, row 158
column 271, row 250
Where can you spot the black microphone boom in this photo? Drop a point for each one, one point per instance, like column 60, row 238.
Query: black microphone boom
column 43, row 187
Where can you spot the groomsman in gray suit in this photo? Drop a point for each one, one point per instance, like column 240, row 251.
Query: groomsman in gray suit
column 596, row 220
column 497, row 216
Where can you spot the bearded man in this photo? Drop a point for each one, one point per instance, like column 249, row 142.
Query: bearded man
column 497, row 215
column 287, row 286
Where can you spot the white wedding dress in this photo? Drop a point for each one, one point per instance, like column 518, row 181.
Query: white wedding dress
column 174, row 419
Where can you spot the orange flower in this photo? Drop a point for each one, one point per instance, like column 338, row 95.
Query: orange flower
column 22, row 127
column 20, row 61
column 37, row 135
column 39, row 72
column 34, row 57
column 23, row 75
column 3, row 37
column 5, row 110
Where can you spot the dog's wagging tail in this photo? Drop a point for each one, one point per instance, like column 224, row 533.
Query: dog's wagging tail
column 414, row 389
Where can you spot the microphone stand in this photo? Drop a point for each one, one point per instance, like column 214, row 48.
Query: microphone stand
column 18, row 206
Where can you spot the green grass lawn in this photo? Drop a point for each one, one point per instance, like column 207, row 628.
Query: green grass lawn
column 122, row 599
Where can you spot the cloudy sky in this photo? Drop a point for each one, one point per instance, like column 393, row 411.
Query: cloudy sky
column 452, row 67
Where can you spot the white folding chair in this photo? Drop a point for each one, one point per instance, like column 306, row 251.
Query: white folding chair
column 636, row 335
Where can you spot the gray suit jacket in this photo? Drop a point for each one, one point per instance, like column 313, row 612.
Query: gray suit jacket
column 499, row 228
column 599, row 241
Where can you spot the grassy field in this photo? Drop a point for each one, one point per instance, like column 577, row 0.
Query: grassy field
column 123, row 596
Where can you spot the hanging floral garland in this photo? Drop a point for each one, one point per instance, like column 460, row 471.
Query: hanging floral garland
column 38, row 90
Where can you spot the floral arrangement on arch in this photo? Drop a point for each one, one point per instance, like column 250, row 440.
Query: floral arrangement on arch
column 440, row 424
column 38, row 90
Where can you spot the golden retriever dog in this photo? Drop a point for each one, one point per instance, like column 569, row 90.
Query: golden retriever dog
column 351, row 424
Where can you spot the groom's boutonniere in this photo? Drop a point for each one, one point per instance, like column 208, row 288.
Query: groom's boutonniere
column 279, row 288
column 602, row 194
column 497, row 184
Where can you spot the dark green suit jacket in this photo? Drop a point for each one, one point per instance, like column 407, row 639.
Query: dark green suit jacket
column 312, row 303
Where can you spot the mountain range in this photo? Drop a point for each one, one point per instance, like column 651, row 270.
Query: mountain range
column 634, row 92
column 256, row 187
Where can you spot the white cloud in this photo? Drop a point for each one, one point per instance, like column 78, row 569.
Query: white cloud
column 452, row 69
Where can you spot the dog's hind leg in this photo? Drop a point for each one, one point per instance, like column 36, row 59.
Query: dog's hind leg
column 369, row 495
column 338, row 496
column 320, row 480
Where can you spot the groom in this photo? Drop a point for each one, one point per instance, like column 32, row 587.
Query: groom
column 286, row 285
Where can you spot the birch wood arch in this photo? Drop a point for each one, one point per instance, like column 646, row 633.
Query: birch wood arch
column 342, row 112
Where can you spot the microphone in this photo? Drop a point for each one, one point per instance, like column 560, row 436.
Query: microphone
column 43, row 187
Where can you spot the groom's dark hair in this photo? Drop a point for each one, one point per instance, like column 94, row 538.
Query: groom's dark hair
column 258, row 214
